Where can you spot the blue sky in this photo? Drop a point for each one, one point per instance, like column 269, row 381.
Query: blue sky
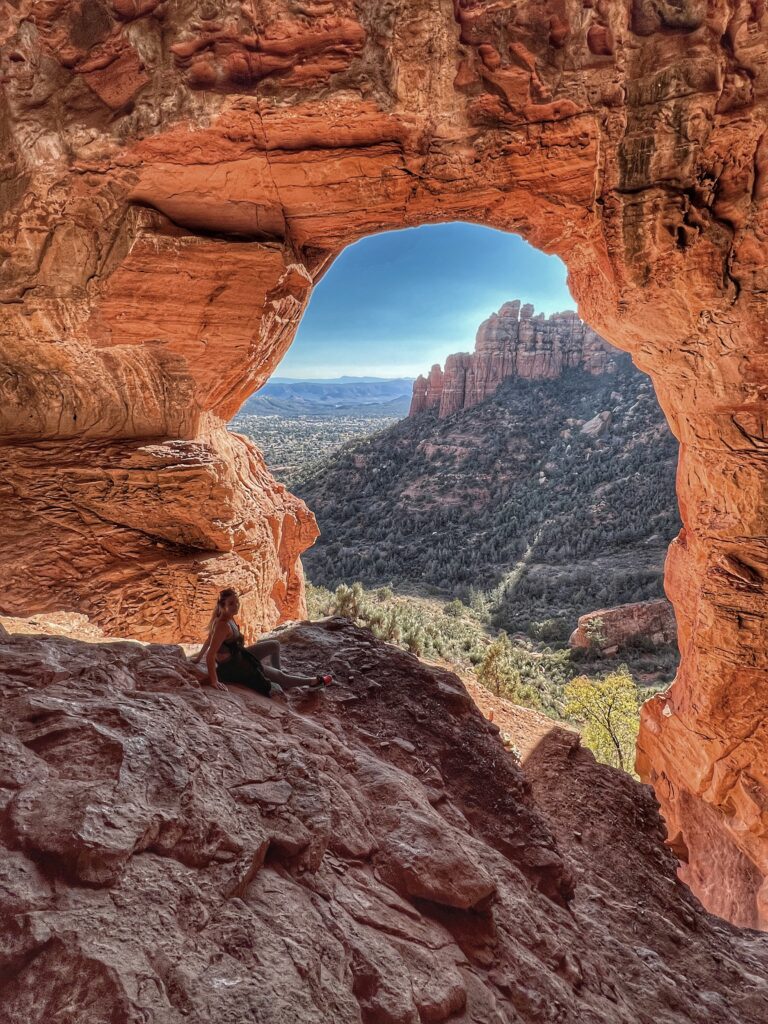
column 393, row 304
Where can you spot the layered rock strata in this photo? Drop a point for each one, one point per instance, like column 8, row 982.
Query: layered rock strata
column 364, row 855
column 514, row 342
column 173, row 179
column 648, row 621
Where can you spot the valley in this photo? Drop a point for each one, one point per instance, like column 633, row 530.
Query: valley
column 297, row 424
column 294, row 444
column 547, row 500
column 531, row 483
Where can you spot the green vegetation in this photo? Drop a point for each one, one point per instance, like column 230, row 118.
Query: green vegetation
column 501, row 671
column 509, row 506
column 595, row 632
column 420, row 626
column 608, row 708
column 517, row 668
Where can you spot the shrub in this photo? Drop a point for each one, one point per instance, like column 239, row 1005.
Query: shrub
column 595, row 632
column 454, row 608
column 550, row 629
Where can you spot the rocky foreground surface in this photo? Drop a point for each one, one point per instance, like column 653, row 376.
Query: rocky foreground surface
column 372, row 853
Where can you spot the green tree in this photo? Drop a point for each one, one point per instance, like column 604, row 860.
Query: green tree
column 609, row 710
column 502, row 670
column 495, row 668
column 348, row 601
column 595, row 632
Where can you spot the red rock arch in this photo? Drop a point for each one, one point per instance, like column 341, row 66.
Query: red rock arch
column 175, row 176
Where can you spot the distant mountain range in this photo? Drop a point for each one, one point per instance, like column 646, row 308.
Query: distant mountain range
column 338, row 396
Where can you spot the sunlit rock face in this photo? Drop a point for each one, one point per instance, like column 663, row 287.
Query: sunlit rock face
column 174, row 177
column 514, row 342
column 651, row 622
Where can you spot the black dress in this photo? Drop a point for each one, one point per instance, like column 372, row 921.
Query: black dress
column 241, row 666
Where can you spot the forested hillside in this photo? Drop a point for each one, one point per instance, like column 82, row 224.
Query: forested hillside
column 549, row 499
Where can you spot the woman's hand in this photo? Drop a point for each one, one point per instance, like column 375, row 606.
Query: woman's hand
column 218, row 685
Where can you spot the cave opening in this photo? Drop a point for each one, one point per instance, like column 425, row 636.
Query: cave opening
column 172, row 197
column 348, row 574
column 525, row 487
column 175, row 180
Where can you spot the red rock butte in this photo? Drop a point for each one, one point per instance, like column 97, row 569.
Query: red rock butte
column 512, row 343
column 175, row 177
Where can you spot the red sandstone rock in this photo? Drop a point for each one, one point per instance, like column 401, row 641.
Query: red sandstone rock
column 172, row 853
column 419, row 400
column 649, row 621
column 243, row 526
column 512, row 343
column 162, row 224
column 600, row 40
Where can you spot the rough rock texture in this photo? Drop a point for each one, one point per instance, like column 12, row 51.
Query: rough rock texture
column 520, row 728
column 160, row 843
column 74, row 626
column 512, row 343
column 428, row 391
column 650, row 621
column 173, row 178
column 141, row 536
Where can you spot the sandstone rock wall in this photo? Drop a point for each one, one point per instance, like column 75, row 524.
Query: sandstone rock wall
column 372, row 854
column 513, row 343
column 175, row 176
column 651, row 621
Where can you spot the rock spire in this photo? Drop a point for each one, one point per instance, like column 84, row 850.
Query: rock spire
column 515, row 342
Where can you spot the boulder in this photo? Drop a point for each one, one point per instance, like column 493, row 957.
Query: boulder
column 651, row 622
column 597, row 426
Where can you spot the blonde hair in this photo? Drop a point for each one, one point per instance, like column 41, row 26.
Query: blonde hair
column 224, row 596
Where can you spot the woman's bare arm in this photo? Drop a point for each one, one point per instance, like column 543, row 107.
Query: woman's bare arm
column 203, row 650
column 214, row 643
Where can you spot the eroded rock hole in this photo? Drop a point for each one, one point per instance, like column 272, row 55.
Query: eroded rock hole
column 175, row 181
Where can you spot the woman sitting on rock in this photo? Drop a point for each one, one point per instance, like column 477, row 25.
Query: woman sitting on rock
column 228, row 660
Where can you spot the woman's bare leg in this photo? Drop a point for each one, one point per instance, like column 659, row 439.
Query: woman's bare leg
column 286, row 679
column 266, row 650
